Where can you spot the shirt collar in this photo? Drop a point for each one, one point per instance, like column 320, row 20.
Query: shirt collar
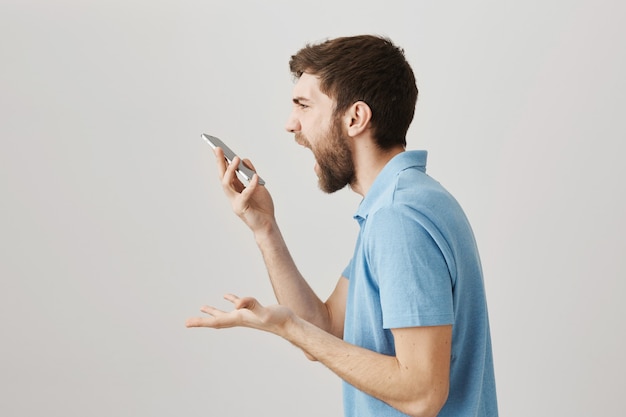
column 400, row 162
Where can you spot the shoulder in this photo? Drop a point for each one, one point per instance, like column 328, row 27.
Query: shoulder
column 413, row 196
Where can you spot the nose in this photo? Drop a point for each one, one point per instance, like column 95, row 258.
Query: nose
column 293, row 124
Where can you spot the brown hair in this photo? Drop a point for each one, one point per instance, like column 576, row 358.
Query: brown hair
column 364, row 68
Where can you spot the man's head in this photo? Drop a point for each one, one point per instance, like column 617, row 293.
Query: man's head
column 364, row 68
column 316, row 127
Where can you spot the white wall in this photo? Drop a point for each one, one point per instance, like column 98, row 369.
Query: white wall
column 113, row 228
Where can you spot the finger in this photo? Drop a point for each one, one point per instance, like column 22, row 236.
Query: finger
column 221, row 162
column 222, row 322
column 230, row 297
column 233, row 299
column 248, row 303
column 211, row 310
column 247, row 192
column 199, row 322
column 226, row 173
column 211, row 321
column 230, row 181
column 248, row 163
column 218, row 319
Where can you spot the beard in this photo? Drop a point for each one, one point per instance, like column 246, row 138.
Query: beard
column 334, row 158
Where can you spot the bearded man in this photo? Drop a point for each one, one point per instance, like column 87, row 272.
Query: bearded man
column 406, row 328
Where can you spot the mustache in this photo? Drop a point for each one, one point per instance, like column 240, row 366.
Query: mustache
column 301, row 140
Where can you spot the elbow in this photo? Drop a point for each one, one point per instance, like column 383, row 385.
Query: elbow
column 309, row 356
column 428, row 405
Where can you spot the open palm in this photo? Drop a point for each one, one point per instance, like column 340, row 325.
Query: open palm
column 248, row 312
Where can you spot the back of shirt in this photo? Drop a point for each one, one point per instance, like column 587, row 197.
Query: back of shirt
column 416, row 264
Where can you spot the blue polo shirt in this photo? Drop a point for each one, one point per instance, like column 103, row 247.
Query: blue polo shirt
column 416, row 264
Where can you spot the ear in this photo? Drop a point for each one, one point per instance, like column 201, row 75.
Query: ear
column 357, row 118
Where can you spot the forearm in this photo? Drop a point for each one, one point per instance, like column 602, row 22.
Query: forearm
column 402, row 386
column 290, row 287
column 254, row 206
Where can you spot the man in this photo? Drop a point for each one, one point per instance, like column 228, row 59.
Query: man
column 406, row 327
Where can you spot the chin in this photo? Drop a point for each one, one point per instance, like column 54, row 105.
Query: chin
column 326, row 188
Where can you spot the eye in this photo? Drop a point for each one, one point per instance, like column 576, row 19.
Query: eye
column 300, row 104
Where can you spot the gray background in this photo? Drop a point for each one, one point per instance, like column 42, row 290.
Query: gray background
column 113, row 228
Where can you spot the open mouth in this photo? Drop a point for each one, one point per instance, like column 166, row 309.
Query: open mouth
column 306, row 144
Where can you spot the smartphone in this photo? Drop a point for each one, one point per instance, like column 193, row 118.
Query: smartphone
column 242, row 170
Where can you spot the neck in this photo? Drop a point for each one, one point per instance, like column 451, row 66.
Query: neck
column 369, row 160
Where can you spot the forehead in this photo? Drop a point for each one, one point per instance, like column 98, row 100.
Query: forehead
column 308, row 88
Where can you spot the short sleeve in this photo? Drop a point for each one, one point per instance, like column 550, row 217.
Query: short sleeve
column 347, row 272
column 409, row 269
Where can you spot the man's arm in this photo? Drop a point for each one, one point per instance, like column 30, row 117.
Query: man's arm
column 414, row 381
column 292, row 290
column 253, row 204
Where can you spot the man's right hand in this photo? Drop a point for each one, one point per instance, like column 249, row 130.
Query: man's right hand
column 253, row 204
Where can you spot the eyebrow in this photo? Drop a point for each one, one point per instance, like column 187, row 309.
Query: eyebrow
column 299, row 100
